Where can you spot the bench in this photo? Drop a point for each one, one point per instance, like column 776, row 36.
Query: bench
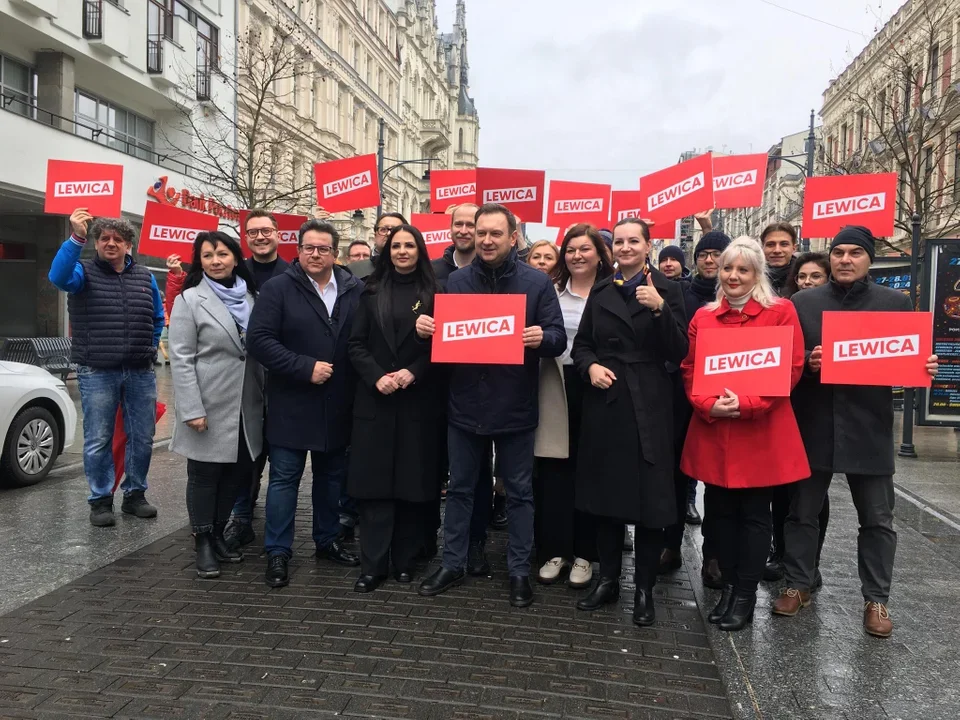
column 50, row 353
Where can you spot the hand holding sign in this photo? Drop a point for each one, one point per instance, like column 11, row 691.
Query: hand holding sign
column 726, row 406
column 648, row 296
column 173, row 265
column 532, row 337
column 933, row 365
column 426, row 327
column 78, row 221
column 815, row 360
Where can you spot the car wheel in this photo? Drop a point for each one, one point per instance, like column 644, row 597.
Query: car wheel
column 31, row 447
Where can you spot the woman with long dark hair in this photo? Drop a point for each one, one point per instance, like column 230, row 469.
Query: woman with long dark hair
column 393, row 454
column 809, row 270
column 218, row 391
column 565, row 537
column 633, row 325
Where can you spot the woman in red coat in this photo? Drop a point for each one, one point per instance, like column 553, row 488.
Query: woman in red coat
column 742, row 446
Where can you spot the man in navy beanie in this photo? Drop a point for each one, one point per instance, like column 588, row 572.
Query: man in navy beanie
column 673, row 264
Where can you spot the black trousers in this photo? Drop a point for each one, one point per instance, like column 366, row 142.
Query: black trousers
column 389, row 530
column 779, row 510
column 740, row 529
column 212, row 488
column 673, row 534
column 647, row 545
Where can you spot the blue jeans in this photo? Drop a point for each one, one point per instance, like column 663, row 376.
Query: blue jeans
column 286, row 469
column 101, row 392
column 515, row 464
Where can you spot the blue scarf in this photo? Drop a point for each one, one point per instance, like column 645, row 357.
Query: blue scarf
column 234, row 299
column 628, row 288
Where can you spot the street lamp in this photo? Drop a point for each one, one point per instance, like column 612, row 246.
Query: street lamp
column 807, row 170
column 382, row 172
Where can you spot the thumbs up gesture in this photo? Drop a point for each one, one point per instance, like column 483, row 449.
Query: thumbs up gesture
column 648, row 296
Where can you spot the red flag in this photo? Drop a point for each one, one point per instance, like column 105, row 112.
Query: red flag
column 749, row 361
column 288, row 229
column 479, row 329
column 521, row 191
column 436, row 232
column 831, row 203
column 576, row 202
column 347, row 184
column 738, row 180
column 452, row 187
column 679, row 190
column 169, row 230
column 95, row 186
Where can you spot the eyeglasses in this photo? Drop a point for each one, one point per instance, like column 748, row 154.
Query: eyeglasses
column 266, row 232
column 709, row 255
column 384, row 230
column 316, row 249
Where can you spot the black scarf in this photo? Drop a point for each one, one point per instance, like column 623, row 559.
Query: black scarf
column 778, row 276
column 704, row 288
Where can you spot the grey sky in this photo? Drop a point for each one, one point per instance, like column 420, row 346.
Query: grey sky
column 609, row 90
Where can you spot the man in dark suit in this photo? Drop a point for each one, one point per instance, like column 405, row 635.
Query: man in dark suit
column 385, row 223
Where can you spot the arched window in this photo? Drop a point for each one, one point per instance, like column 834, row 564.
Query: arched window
column 460, row 141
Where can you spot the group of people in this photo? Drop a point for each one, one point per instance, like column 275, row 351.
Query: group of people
column 598, row 428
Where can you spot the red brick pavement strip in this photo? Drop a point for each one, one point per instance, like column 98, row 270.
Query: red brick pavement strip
column 143, row 638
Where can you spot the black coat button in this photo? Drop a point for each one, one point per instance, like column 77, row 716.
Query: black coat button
column 242, row 358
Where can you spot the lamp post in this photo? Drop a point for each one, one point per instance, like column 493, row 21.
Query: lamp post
column 382, row 171
column 907, row 448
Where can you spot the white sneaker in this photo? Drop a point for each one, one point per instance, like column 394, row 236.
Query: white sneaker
column 581, row 574
column 550, row 572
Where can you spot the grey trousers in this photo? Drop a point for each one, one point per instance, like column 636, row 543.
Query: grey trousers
column 873, row 497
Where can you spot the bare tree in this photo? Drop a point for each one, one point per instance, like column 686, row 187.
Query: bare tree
column 901, row 114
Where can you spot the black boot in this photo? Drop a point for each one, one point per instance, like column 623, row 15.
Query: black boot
column 207, row 564
column 726, row 597
column 740, row 611
column 773, row 570
column 605, row 592
column 643, row 610
column 224, row 552
column 477, row 564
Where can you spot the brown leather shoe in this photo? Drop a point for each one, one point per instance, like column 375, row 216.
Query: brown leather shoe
column 790, row 602
column 876, row 619
column 670, row 560
column 711, row 575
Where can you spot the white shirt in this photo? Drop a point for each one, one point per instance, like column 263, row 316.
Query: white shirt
column 571, row 305
column 328, row 293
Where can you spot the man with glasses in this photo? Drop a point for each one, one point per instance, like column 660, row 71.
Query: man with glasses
column 385, row 223
column 298, row 331
column 358, row 250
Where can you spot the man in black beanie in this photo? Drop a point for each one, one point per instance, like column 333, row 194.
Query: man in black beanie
column 672, row 263
column 846, row 429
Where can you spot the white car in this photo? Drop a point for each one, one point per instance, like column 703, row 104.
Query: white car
column 37, row 422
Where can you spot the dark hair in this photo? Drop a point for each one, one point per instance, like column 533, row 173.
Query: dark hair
column 497, row 209
column 821, row 259
column 604, row 269
column 357, row 242
column 215, row 238
column 425, row 279
column 644, row 228
column 118, row 225
column 319, row 226
column 260, row 213
column 396, row 215
column 779, row 227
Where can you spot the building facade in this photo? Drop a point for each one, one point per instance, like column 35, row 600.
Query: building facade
column 363, row 62
column 97, row 81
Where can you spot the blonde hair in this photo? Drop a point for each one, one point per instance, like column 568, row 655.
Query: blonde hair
column 749, row 250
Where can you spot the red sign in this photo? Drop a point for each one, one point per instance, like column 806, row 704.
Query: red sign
column 877, row 348
column 479, row 329
column 95, row 186
column 288, row 229
column 738, row 180
column 169, row 230
column 678, row 191
column 629, row 204
column 521, row 191
column 436, row 232
column 830, row 203
column 576, row 202
column 348, row 184
column 169, row 195
column 754, row 361
column 452, row 187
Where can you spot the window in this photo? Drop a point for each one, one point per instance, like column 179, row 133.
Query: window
column 341, row 39
column 927, row 177
column 379, row 83
column 105, row 123
column 881, row 109
column 844, row 131
column 861, row 129
column 956, row 166
column 460, row 141
column 390, row 92
column 17, row 87
column 356, row 57
column 934, row 75
column 369, row 71
column 296, row 86
column 907, row 87
column 313, row 99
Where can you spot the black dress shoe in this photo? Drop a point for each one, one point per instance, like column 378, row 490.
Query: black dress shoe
column 693, row 517
column 521, row 591
column 277, row 571
column 224, row 552
column 499, row 520
column 441, row 581
column 817, row 580
column 403, row 577
column 773, row 570
column 726, row 597
column 336, row 552
column 208, row 567
column 477, row 564
column 368, row 583
column 670, row 560
column 710, row 574
column 643, row 610
column 605, row 592
column 739, row 613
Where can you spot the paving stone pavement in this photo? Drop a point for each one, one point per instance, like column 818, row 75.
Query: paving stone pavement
column 144, row 638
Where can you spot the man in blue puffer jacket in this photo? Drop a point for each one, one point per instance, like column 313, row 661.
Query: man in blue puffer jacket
column 498, row 401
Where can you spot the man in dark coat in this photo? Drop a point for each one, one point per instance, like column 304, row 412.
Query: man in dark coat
column 779, row 243
column 381, row 229
column 298, row 331
column 498, row 401
column 846, row 429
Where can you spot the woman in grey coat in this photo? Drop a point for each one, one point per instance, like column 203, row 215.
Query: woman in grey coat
column 218, row 391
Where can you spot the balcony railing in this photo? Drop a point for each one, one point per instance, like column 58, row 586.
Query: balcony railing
column 159, row 26
column 203, row 68
column 93, row 19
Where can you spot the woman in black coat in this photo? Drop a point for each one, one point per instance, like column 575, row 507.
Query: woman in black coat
column 632, row 325
column 393, row 456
